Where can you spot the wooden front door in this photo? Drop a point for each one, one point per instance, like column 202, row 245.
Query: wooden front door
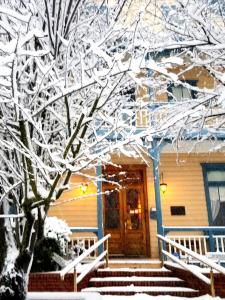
column 124, row 217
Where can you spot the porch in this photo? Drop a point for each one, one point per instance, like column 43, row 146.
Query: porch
column 185, row 209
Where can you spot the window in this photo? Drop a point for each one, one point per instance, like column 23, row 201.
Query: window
column 128, row 114
column 214, row 180
column 181, row 92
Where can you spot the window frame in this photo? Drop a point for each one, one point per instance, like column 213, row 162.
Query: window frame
column 206, row 167
column 191, row 82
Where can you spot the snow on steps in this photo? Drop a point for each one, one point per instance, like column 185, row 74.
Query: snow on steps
column 115, row 272
column 131, row 290
column 128, row 281
column 135, row 263
column 136, row 281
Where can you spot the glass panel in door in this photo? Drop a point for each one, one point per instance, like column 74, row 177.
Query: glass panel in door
column 133, row 209
column 112, row 221
column 112, row 210
column 134, row 225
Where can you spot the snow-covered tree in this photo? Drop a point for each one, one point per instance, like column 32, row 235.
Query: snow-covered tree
column 63, row 68
column 195, row 32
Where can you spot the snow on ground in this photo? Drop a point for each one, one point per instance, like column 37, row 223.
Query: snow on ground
column 147, row 297
column 63, row 296
column 96, row 296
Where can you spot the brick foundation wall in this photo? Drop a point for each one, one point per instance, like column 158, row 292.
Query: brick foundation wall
column 219, row 280
column 194, row 282
column 50, row 282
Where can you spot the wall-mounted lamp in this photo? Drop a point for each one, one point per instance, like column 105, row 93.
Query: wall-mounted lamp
column 84, row 187
column 163, row 185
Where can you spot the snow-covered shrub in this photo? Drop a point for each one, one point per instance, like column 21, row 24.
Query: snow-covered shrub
column 57, row 229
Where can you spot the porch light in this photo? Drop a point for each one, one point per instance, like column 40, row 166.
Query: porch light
column 84, row 187
column 163, row 185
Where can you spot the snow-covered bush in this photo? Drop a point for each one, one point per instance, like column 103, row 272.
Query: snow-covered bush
column 59, row 230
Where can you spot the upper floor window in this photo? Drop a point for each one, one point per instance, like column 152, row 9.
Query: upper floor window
column 181, row 92
column 214, row 179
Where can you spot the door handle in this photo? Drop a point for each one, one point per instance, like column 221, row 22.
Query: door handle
column 125, row 224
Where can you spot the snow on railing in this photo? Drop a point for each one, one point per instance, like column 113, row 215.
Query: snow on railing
column 189, row 253
column 85, row 254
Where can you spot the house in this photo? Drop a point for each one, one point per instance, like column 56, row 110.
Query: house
column 175, row 188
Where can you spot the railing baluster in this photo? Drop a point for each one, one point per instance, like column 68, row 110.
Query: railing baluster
column 180, row 252
column 186, row 245
column 195, row 248
column 75, row 279
column 217, row 244
column 222, row 244
column 89, row 245
column 205, row 245
column 200, row 245
column 174, row 248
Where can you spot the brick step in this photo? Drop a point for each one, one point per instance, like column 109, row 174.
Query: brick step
column 150, row 290
column 136, row 281
column 126, row 272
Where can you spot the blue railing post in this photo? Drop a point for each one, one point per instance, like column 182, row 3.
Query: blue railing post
column 99, row 206
column 154, row 153
column 155, row 161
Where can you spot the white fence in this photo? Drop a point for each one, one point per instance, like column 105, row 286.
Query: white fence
column 197, row 243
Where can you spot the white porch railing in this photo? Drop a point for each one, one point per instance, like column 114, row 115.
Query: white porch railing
column 85, row 254
column 196, row 243
column 202, row 259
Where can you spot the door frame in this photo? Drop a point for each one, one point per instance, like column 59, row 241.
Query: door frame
column 143, row 169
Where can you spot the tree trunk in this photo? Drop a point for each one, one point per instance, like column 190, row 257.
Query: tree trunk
column 15, row 266
column 13, row 285
column 15, row 275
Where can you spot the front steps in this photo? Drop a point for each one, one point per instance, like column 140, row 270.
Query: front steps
column 129, row 281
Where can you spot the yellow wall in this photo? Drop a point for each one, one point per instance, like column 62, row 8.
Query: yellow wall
column 76, row 208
